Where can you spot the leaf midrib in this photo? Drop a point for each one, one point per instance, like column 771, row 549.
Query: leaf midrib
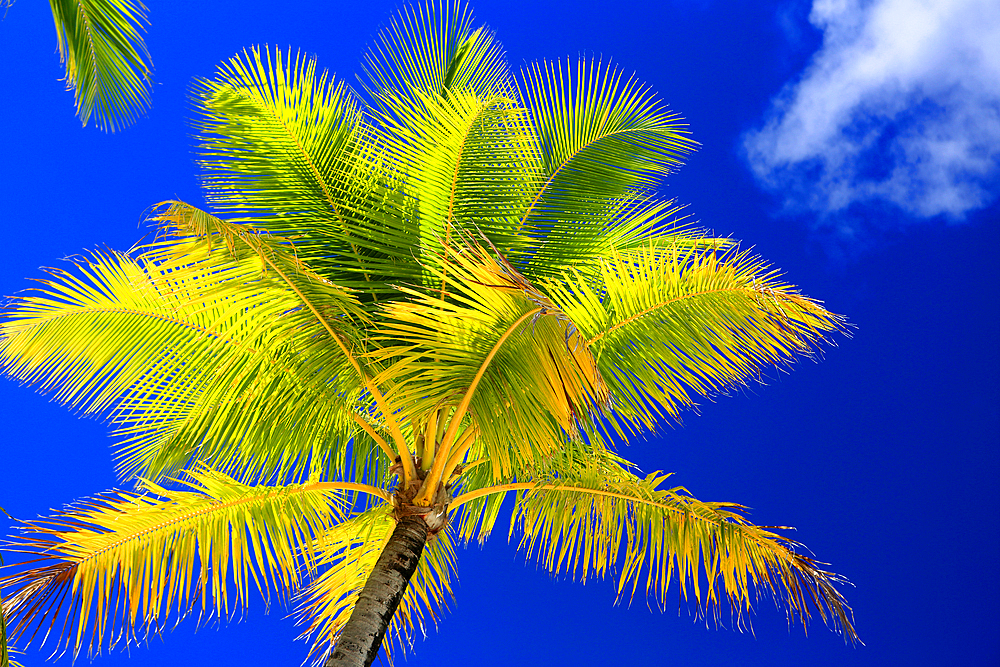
column 658, row 306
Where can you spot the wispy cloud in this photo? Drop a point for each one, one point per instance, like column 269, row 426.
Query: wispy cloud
column 901, row 105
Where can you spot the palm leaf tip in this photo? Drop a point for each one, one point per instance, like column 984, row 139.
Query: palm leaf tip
column 116, row 566
column 107, row 62
column 601, row 135
column 432, row 49
column 592, row 517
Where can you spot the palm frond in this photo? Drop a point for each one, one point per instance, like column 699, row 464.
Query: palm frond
column 430, row 50
column 588, row 516
column 107, row 64
column 468, row 163
column 187, row 347
column 350, row 550
column 602, row 138
column 115, row 567
column 635, row 221
column 668, row 323
column 277, row 138
column 327, row 319
column 496, row 347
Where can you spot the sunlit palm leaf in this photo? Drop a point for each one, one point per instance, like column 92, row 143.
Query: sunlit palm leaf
column 666, row 326
column 187, row 348
column 533, row 384
column 429, row 50
column 601, row 139
column 107, row 64
column 590, row 517
column 278, row 142
column 351, row 549
column 117, row 566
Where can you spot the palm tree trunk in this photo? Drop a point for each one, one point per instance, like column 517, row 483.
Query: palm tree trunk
column 361, row 638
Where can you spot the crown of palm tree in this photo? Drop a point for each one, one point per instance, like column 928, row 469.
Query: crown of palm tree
column 464, row 290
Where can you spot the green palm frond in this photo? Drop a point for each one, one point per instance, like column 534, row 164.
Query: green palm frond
column 187, row 346
column 497, row 346
column 589, row 517
column 350, row 550
column 669, row 323
column 602, row 138
column 430, row 50
column 277, row 139
column 107, row 64
column 633, row 222
column 469, row 162
column 116, row 566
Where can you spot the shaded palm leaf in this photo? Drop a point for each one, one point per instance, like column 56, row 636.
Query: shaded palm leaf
column 107, row 64
column 116, row 566
column 635, row 221
column 278, row 143
column 468, row 163
column 351, row 549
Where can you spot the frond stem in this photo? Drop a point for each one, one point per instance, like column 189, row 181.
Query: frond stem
column 527, row 486
column 379, row 440
column 662, row 304
column 461, row 450
column 435, row 475
column 350, row 486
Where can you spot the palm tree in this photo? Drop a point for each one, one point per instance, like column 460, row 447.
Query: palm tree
column 397, row 316
column 107, row 63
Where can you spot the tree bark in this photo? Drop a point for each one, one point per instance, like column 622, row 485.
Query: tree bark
column 361, row 638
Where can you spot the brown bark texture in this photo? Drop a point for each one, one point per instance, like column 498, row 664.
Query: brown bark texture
column 361, row 638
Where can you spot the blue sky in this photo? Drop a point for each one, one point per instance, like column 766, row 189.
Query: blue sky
column 856, row 145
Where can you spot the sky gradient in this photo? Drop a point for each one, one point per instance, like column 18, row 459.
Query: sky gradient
column 854, row 145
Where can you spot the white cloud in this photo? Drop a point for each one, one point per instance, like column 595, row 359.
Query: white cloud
column 900, row 104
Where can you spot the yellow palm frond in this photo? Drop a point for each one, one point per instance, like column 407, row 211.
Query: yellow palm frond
column 350, row 550
column 186, row 347
column 668, row 323
column 590, row 517
column 500, row 351
column 116, row 566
